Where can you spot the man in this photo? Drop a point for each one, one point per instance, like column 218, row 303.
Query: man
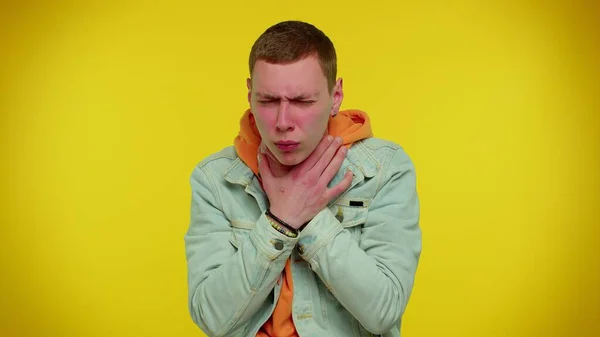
column 308, row 225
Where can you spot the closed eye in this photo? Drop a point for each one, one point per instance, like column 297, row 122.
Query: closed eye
column 304, row 102
column 298, row 102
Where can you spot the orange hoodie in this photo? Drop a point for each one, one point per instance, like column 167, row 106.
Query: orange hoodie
column 352, row 126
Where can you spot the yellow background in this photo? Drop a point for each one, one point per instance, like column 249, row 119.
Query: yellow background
column 106, row 107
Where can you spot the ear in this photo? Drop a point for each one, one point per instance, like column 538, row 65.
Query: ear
column 249, row 86
column 338, row 96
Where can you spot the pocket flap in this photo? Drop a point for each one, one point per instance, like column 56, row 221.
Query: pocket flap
column 349, row 216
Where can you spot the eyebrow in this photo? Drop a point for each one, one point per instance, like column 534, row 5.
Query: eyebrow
column 295, row 98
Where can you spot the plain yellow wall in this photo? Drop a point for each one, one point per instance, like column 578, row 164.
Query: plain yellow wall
column 107, row 107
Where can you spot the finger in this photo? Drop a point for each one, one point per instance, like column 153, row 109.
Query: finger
column 313, row 158
column 327, row 156
column 265, row 150
column 338, row 189
column 264, row 169
column 334, row 166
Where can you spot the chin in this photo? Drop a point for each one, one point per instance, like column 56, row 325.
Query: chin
column 291, row 159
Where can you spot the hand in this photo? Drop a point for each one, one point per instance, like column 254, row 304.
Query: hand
column 302, row 192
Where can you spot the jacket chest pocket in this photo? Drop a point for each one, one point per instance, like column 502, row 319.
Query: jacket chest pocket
column 352, row 217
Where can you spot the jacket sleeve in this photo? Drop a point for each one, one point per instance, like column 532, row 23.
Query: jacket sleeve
column 228, row 284
column 372, row 279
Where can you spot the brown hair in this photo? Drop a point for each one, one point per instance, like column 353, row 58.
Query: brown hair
column 290, row 41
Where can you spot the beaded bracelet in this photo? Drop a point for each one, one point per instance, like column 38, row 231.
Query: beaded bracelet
column 283, row 230
column 281, row 226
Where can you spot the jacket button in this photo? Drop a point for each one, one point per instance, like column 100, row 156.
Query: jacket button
column 339, row 215
column 278, row 245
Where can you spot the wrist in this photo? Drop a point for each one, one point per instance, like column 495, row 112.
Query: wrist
column 282, row 218
column 280, row 225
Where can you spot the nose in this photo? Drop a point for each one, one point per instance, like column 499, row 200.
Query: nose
column 284, row 122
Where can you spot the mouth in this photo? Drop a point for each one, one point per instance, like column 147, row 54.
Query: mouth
column 287, row 145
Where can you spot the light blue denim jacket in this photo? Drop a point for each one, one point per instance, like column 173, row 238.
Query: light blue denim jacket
column 353, row 265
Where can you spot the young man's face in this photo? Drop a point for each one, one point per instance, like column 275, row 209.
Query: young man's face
column 291, row 104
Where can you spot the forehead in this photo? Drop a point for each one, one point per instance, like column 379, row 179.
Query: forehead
column 299, row 77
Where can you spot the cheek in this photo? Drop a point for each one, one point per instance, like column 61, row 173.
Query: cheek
column 314, row 121
column 264, row 118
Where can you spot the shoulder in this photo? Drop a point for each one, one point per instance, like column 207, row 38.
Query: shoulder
column 213, row 167
column 222, row 158
column 389, row 156
column 396, row 172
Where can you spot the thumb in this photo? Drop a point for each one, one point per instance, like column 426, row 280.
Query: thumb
column 263, row 166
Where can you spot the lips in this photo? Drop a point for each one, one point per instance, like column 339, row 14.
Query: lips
column 287, row 145
column 286, row 142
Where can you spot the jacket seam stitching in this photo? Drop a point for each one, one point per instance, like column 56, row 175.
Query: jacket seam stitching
column 260, row 277
column 237, row 315
column 214, row 187
column 214, row 158
column 323, row 242
column 385, row 171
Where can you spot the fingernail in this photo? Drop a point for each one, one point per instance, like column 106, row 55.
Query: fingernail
column 329, row 138
column 344, row 149
column 338, row 140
